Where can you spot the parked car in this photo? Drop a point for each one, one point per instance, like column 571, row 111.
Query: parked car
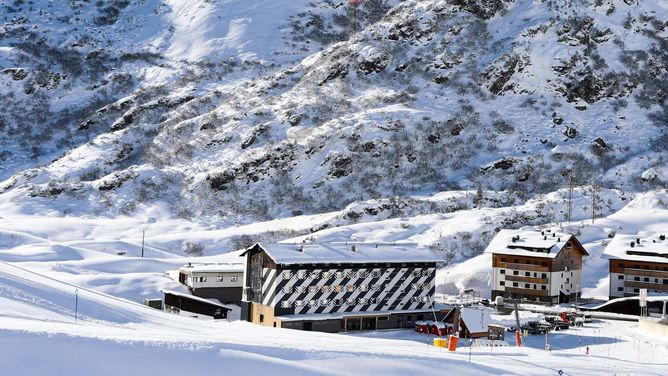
column 557, row 322
column 537, row 327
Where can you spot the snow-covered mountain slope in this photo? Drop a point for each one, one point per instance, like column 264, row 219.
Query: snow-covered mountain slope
column 62, row 61
column 432, row 96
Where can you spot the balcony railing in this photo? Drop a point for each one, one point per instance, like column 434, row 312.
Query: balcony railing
column 527, row 267
column 519, row 278
column 646, row 273
column 531, row 292
column 646, row 285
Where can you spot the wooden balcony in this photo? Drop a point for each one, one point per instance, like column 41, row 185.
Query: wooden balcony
column 527, row 267
column 529, row 292
column 519, row 278
column 646, row 273
column 646, row 285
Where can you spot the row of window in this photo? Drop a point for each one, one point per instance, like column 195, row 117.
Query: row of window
column 347, row 288
column 645, row 279
column 303, row 274
column 342, row 302
column 526, row 274
column 526, row 285
column 218, row 279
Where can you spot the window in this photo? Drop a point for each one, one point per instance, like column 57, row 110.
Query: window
column 350, row 274
column 376, row 273
column 515, row 284
column 419, row 317
column 286, row 304
column 568, row 280
column 364, row 288
column 665, row 281
column 571, row 274
column 350, row 288
column 426, row 273
column 502, row 283
column 534, row 287
column 636, row 278
column 312, row 288
column 312, row 303
column 535, row 275
column 287, row 289
column 425, row 299
column 232, row 279
column 375, row 287
column 636, row 290
column 326, row 275
column 373, row 300
column 325, row 302
column 414, row 286
column 314, row 275
column 324, row 288
column 543, row 276
column 415, row 299
column 621, row 276
column 299, row 303
column 426, row 286
column 515, row 272
column 261, row 317
column 219, row 279
column 646, row 279
column 409, row 318
column 526, row 285
column 350, row 301
column 287, row 274
column 339, row 275
column 338, row 288
column 527, row 274
column 363, row 273
column 416, row 273
column 502, row 271
column 362, row 301
column 336, row 302
column 301, row 274
column 562, row 275
column 543, row 287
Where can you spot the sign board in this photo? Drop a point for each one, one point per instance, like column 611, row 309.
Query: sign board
column 643, row 297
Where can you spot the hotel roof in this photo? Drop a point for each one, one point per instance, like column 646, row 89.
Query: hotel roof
column 340, row 253
column 647, row 246
column 529, row 242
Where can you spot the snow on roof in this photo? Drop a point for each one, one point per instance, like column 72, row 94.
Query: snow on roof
column 476, row 319
column 653, row 247
column 213, row 268
column 197, row 298
column 528, row 242
column 334, row 253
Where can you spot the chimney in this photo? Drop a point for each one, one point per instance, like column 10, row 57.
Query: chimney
column 638, row 241
column 300, row 248
column 353, row 248
column 662, row 237
column 545, row 237
column 558, row 240
column 633, row 244
column 542, row 232
column 554, row 234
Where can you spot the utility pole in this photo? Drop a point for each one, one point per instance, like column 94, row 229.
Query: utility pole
column 570, row 196
column 76, row 304
column 593, row 202
column 143, row 234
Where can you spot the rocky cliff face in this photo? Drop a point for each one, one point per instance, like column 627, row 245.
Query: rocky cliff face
column 409, row 97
